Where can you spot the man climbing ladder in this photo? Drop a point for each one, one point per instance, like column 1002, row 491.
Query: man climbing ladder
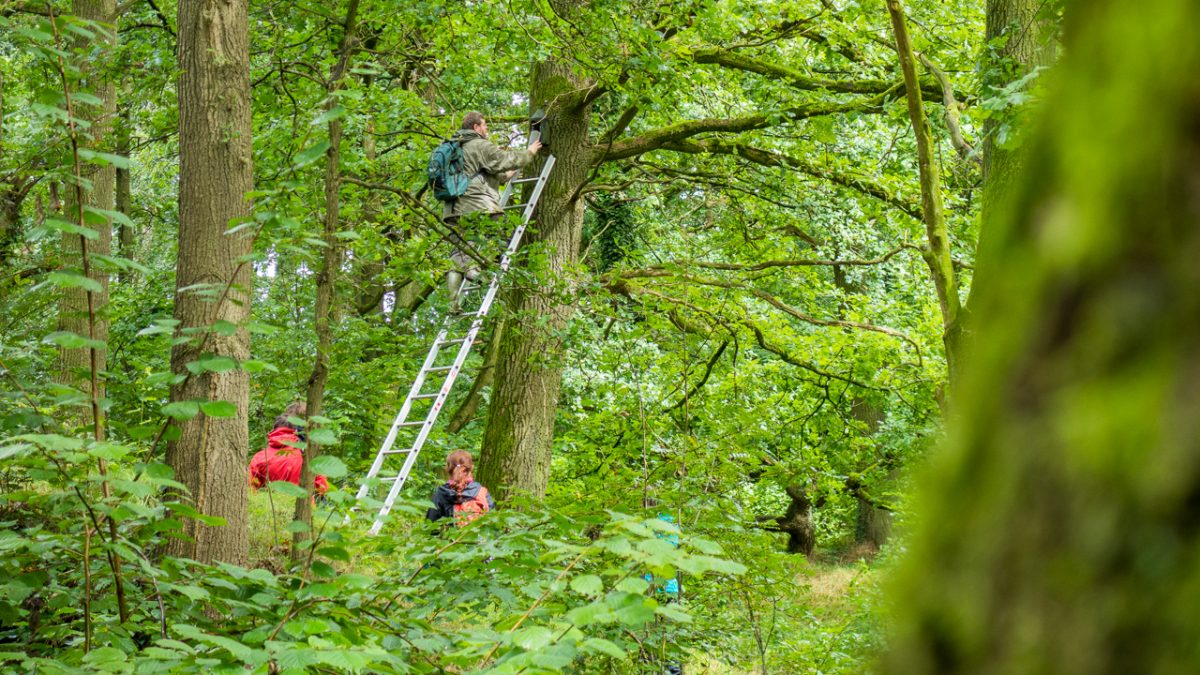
column 407, row 420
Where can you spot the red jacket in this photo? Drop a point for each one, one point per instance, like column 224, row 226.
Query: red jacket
column 281, row 460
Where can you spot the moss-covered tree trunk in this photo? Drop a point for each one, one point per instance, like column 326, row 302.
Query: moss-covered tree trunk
column 211, row 282
column 520, row 423
column 1060, row 531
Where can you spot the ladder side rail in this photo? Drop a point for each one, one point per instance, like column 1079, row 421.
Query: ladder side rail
column 460, row 359
column 418, row 382
column 537, row 188
column 401, row 417
column 464, row 351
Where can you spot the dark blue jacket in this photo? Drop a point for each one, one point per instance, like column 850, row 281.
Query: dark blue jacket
column 445, row 498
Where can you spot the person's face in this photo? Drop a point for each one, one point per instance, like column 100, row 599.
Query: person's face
column 481, row 128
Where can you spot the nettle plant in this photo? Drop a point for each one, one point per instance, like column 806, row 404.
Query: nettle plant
column 516, row 591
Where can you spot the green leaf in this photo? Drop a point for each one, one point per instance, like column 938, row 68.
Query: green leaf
column 102, row 655
column 74, row 280
column 287, row 489
column 310, row 154
column 636, row 585
column 219, row 408
column 323, row 436
column 296, row 525
column 103, row 158
column 588, row 614
column 674, row 612
column 254, row 366
column 334, row 113
column 69, row 340
column 588, row 584
column 532, row 638
column 223, row 327
column 60, row 225
column 602, row 646
column 329, row 466
column 181, row 410
column 216, row 364
column 108, row 450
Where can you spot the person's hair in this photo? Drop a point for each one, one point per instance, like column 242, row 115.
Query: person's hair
column 294, row 409
column 460, row 470
column 474, row 117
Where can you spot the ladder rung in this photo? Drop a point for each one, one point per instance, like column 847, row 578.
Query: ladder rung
column 433, row 395
column 411, row 424
column 437, row 369
column 453, row 341
column 525, row 180
column 404, row 451
column 515, row 206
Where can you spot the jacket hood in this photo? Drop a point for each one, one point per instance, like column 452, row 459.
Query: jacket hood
column 468, row 492
column 281, row 439
column 465, row 135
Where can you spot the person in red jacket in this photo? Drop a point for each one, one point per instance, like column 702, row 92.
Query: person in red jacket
column 281, row 459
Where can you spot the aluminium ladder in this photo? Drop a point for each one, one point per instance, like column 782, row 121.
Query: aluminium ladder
column 450, row 372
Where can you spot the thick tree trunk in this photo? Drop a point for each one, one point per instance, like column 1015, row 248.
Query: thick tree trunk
column 1059, row 530
column 520, row 427
column 211, row 284
column 797, row 522
column 1025, row 44
column 74, row 365
column 873, row 525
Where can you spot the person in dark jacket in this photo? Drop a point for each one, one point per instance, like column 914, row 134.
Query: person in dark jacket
column 460, row 497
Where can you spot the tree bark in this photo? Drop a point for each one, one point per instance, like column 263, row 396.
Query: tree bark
column 124, row 194
column 1025, row 44
column 74, row 365
column 211, row 282
column 1059, row 529
column 872, row 525
column 520, row 424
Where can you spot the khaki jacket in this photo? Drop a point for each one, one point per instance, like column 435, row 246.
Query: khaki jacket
column 485, row 163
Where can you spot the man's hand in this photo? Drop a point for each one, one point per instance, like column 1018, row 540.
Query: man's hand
column 535, row 146
column 507, row 176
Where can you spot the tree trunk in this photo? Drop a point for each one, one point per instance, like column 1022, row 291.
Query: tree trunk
column 1025, row 44
column 797, row 522
column 74, row 365
column 211, row 283
column 520, row 424
column 936, row 251
column 324, row 310
column 872, row 525
column 1059, row 529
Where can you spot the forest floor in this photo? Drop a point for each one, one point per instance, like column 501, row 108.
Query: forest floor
column 824, row 621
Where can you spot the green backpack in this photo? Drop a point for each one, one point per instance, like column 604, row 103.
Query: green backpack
column 446, row 173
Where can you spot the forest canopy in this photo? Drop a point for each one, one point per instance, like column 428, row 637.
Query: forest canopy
column 838, row 336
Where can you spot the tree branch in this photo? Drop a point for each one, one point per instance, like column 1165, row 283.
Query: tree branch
column 951, row 105
column 703, row 380
column 796, row 79
column 657, row 138
column 767, row 158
